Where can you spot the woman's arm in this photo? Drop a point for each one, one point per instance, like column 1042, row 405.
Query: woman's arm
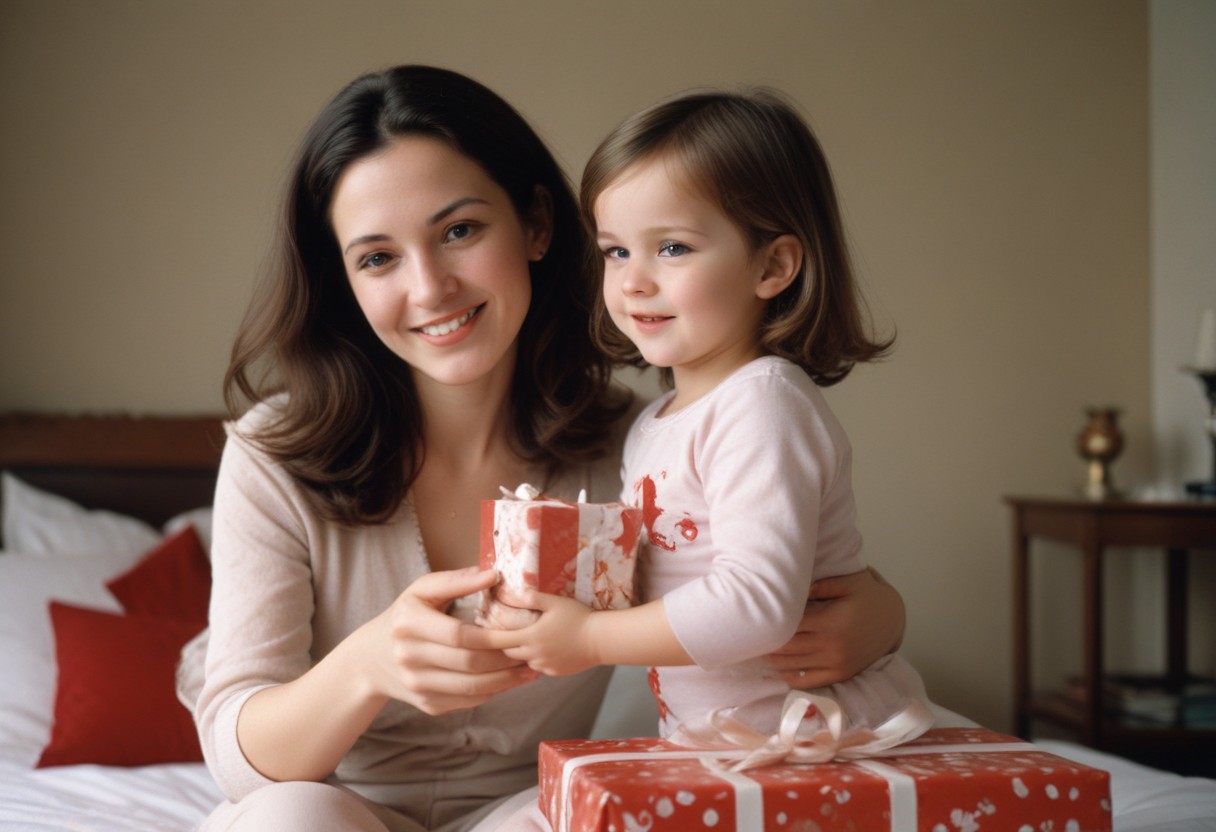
column 412, row 652
column 850, row 622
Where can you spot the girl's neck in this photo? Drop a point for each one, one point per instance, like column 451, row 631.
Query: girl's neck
column 693, row 383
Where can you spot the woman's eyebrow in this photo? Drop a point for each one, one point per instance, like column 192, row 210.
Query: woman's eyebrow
column 436, row 217
column 460, row 203
column 366, row 238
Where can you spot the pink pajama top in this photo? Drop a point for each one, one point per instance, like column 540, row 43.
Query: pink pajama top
column 747, row 497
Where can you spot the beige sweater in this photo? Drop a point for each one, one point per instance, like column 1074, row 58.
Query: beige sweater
column 289, row 586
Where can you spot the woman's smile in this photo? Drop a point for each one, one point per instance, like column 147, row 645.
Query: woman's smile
column 439, row 331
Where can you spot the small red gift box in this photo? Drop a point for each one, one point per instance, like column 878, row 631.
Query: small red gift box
column 973, row 780
column 586, row 551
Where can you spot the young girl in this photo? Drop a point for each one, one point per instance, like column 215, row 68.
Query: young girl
column 724, row 263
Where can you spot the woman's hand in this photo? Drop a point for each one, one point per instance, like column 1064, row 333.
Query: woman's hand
column 412, row 651
column 433, row 661
column 850, row 622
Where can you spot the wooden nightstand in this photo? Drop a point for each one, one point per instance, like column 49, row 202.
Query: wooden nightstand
column 1093, row 527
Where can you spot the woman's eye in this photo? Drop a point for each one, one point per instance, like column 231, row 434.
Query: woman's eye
column 460, row 231
column 376, row 260
column 673, row 249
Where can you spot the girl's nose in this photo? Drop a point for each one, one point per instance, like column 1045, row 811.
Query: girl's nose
column 430, row 281
column 636, row 281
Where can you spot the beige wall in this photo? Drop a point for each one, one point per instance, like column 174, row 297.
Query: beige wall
column 992, row 158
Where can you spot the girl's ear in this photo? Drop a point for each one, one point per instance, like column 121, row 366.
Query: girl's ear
column 782, row 261
column 540, row 223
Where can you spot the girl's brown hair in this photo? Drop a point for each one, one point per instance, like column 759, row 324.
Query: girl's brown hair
column 349, row 428
column 753, row 155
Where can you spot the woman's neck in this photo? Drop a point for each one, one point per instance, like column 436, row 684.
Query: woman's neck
column 468, row 457
column 467, row 425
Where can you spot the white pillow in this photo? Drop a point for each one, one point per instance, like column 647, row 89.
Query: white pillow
column 27, row 641
column 37, row 522
column 200, row 518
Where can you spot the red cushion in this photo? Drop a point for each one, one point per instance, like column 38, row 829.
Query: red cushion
column 116, row 703
column 173, row 579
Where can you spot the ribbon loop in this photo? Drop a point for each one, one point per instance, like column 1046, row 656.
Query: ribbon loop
column 832, row 742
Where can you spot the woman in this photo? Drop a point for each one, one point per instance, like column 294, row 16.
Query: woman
column 421, row 340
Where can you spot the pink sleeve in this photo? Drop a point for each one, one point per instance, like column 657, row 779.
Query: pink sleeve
column 775, row 471
column 261, row 606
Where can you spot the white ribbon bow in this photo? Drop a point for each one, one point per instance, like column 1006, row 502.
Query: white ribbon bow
column 831, row 743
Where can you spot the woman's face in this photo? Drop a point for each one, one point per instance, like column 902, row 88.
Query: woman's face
column 437, row 257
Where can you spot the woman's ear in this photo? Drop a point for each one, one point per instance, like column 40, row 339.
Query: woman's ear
column 540, row 223
column 781, row 260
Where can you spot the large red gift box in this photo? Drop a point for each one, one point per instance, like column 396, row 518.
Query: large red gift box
column 581, row 550
column 948, row 780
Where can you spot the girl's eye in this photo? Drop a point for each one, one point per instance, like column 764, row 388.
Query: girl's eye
column 616, row 253
column 673, row 249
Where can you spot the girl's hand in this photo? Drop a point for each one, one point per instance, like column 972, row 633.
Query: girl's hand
column 559, row 643
column 433, row 661
column 851, row 622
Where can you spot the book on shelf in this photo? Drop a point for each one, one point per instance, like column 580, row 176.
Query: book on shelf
column 1151, row 702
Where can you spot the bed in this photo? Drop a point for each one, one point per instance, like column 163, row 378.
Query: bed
column 102, row 574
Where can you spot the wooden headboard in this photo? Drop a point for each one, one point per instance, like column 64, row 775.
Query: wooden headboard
column 151, row 467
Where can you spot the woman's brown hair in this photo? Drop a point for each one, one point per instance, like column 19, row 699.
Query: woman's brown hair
column 750, row 153
column 349, row 428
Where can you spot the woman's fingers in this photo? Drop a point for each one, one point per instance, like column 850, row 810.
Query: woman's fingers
column 440, row 589
column 439, row 663
column 437, row 691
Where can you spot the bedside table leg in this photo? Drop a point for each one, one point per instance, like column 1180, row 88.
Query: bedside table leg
column 1021, row 633
column 1176, row 642
column 1092, row 612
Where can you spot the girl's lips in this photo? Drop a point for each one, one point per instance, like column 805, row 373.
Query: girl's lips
column 649, row 324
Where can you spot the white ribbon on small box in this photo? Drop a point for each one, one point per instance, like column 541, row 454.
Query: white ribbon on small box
column 753, row 749
column 589, row 586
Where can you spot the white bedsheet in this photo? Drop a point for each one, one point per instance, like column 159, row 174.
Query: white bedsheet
column 165, row 798
column 1143, row 798
column 176, row 798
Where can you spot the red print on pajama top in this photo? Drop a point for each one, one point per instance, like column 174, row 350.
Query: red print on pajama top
column 644, row 493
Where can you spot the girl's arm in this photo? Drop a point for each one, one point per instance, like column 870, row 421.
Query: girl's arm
column 569, row 637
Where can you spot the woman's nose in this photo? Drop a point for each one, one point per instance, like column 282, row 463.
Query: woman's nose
column 431, row 282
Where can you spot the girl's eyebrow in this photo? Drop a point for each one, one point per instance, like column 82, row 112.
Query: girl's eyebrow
column 660, row 230
column 434, row 218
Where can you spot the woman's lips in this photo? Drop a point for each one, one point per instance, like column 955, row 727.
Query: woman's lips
column 452, row 329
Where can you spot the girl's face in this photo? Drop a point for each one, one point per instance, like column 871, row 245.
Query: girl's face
column 437, row 257
column 680, row 279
